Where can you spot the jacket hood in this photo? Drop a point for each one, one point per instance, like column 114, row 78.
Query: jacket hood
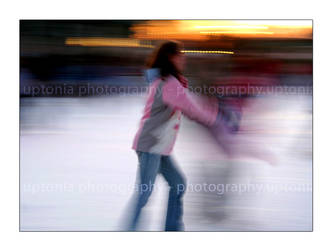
column 151, row 75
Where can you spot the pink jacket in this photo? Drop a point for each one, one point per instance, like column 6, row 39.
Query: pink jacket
column 167, row 100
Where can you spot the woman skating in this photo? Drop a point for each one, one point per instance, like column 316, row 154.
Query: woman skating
column 167, row 100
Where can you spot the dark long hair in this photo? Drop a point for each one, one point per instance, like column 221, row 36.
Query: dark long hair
column 161, row 58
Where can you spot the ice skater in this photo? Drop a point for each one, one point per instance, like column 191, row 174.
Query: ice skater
column 167, row 100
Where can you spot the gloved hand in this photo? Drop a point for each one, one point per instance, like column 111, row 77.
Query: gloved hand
column 228, row 118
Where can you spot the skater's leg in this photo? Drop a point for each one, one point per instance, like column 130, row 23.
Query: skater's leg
column 177, row 185
column 149, row 165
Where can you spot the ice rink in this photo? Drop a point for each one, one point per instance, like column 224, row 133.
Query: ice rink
column 77, row 169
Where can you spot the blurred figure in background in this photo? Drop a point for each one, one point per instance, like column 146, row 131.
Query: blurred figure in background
column 168, row 98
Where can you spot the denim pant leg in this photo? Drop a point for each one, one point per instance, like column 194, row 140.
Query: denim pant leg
column 149, row 165
column 177, row 185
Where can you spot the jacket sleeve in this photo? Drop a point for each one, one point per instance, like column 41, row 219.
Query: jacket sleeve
column 196, row 107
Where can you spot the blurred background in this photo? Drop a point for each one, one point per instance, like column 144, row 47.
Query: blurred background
column 82, row 93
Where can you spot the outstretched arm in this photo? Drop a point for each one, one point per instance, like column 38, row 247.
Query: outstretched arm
column 199, row 108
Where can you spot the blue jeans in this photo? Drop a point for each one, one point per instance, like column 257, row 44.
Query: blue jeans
column 149, row 166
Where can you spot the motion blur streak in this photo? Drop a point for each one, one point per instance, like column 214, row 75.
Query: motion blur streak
column 208, row 51
column 202, row 29
column 101, row 41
